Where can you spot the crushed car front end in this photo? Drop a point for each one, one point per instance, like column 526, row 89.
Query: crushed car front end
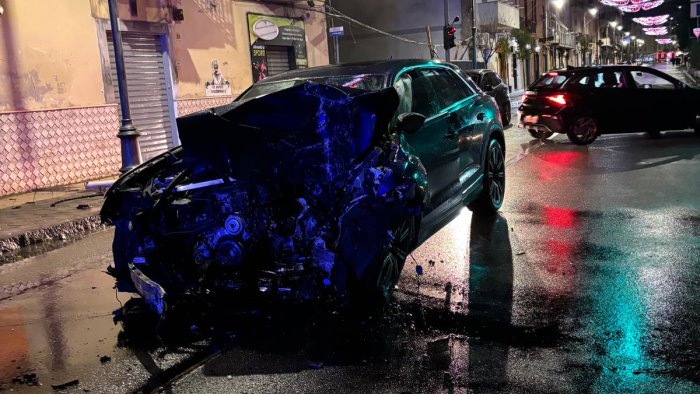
column 293, row 195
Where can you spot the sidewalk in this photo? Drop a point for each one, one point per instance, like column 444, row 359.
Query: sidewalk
column 36, row 222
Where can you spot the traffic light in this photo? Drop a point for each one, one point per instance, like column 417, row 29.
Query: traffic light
column 448, row 37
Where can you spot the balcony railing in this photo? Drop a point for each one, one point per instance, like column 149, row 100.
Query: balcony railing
column 564, row 39
column 498, row 15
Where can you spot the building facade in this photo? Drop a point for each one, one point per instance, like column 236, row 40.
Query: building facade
column 59, row 112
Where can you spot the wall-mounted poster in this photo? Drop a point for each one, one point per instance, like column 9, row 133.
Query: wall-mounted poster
column 275, row 31
column 217, row 85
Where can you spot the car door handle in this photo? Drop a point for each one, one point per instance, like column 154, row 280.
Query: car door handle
column 480, row 116
column 450, row 135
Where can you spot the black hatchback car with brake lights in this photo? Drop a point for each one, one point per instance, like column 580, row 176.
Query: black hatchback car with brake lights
column 588, row 101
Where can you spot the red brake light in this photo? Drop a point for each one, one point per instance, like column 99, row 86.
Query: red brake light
column 557, row 99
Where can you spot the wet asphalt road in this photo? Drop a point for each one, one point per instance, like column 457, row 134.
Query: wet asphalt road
column 587, row 281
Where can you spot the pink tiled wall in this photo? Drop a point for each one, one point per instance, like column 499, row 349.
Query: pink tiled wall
column 185, row 107
column 40, row 149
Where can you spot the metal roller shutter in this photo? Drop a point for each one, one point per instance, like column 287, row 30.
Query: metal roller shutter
column 145, row 78
column 277, row 59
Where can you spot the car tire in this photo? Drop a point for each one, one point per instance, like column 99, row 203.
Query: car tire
column 697, row 125
column 370, row 293
column 540, row 135
column 583, row 131
column 494, row 180
column 506, row 115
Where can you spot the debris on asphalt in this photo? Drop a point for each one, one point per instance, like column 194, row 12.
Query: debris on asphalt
column 419, row 270
column 28, row 379
column 315, row 365
column 431, row 263
column 105, row 359
column 63, row 386
column 83, row 206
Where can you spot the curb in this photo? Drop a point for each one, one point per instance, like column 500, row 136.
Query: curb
column 50, row 238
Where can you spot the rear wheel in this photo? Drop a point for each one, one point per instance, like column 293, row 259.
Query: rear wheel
column 494, row 181
column 583, row 131
column 540, row 135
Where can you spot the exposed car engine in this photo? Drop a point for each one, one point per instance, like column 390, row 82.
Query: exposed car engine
column 294, row 200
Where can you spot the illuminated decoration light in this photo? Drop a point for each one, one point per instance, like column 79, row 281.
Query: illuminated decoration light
column 630, row 8
column 638, row 6
column 615, row 3
column 651, row 4
column 664, row 40
column 656, row 31
column 652, row 20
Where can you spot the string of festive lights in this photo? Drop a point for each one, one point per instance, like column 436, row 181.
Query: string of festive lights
column 655, row 31
column 615, row 3
column 652, row 20
column 664, row 40
column 632, row 6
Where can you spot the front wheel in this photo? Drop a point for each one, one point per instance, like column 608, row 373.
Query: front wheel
column 370, row 292
column 494, row 181
column 583, row 131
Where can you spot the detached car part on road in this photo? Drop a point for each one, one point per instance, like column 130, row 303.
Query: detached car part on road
column 300, row 190
column 588, row 101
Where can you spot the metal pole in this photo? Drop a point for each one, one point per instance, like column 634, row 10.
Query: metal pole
column 336, row 45
column 128, row 135
column 447, row 23
column 474, row 35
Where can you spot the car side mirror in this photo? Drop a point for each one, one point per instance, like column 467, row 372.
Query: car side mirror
column 410, row 122
column 488, row 87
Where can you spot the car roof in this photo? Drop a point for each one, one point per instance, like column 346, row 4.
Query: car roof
column 577, row 70
column 385, row 67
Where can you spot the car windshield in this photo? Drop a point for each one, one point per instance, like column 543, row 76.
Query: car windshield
column 360, row 81
column 551, row 80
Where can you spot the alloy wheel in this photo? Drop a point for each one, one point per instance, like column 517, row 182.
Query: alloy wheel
column 584, row 131
column 496, row 174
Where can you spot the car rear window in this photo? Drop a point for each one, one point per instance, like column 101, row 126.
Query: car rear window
column 550, row 80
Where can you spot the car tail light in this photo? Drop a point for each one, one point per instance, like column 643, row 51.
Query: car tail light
column 558, row 99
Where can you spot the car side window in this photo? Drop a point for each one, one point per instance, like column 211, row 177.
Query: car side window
column 424, row 100
column 445, row 86
column 609, row 79
column 645, row 80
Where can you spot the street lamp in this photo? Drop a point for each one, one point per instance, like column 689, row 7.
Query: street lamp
column 619, row 28
column 128, row 135
column 593, row 12
column 627, row 34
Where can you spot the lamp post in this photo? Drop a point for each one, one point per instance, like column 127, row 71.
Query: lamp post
column 128, row 135
column 558, row 5
column 593, row 12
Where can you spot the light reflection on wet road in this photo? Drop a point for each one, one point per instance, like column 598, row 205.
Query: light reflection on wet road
column 586, row 282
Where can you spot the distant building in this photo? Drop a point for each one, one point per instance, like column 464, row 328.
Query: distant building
column 58, row 97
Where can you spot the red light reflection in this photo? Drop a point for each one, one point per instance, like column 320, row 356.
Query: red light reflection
column 559, row 217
